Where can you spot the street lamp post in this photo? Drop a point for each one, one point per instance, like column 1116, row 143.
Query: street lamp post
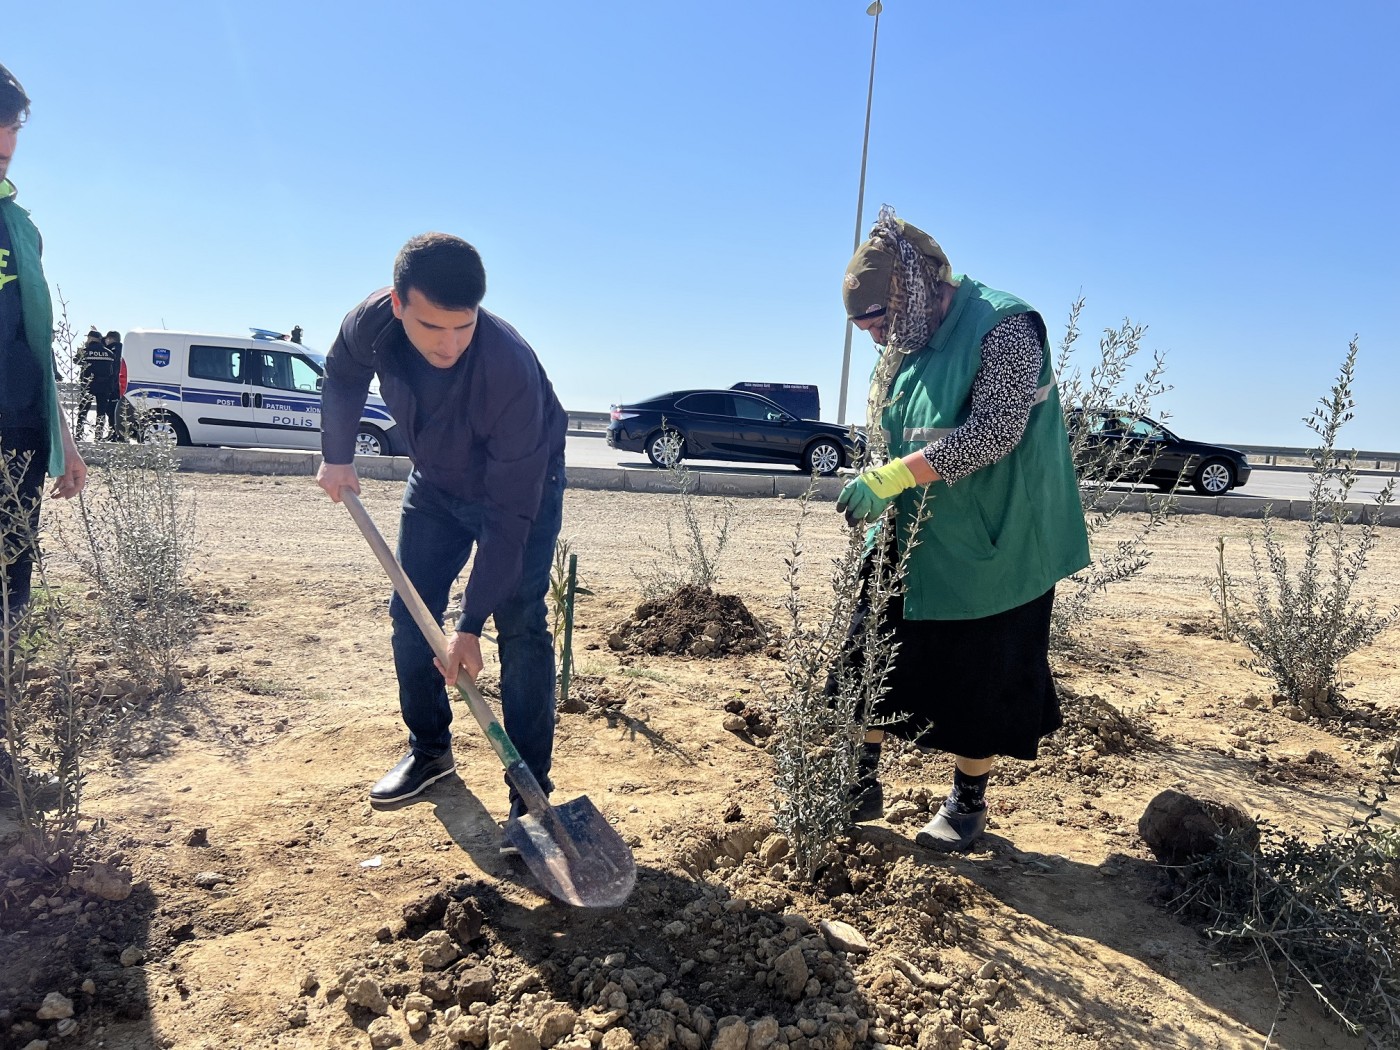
column 874, row 9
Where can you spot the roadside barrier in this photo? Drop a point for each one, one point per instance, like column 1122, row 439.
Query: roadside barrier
column 749, row 486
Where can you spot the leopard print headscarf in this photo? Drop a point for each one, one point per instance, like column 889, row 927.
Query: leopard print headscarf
column 920, row 270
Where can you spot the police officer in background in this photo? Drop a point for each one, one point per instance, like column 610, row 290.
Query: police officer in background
column 109, row 399
column 101, row 359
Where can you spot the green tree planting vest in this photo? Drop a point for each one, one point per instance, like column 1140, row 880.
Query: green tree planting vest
column 37, row 308
column 1006, row 533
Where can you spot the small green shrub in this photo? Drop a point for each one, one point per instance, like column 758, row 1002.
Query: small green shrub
column 135, row 541
column 1106, row 382
column 1304, row 618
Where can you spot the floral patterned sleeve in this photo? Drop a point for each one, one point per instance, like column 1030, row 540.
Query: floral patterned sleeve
column 1002, row 396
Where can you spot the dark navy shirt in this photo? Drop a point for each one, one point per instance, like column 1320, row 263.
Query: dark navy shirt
column 488, row 430
column 20, row 386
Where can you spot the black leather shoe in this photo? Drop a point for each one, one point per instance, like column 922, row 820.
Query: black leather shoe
column 411, row 776
column 952, row 832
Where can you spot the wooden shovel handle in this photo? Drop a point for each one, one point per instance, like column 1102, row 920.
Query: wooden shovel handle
column 525, row 782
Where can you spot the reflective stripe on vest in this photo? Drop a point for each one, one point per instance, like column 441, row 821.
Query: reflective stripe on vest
column 927, row 434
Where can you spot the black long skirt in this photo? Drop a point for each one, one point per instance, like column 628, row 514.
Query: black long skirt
column 974, row 688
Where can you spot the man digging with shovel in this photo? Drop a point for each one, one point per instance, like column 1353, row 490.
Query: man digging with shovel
column 486, row 436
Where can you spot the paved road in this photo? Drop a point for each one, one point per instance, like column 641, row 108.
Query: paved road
column 1263, row 485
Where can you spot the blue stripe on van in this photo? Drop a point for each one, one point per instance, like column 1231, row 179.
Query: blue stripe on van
column 226, row 398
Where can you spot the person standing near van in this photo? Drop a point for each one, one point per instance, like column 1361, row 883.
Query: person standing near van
column 34, row 435
column 92, row 344
column 106, row 385
column 485, row 432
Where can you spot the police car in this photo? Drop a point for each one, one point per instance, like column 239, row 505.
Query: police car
column 263, row 391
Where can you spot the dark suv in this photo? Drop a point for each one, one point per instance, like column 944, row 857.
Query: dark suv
column 1116, row 446
column 729, row 425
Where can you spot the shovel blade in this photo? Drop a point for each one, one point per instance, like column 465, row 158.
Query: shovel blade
column 576, row 854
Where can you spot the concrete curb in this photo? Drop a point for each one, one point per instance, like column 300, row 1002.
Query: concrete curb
column 743, row 486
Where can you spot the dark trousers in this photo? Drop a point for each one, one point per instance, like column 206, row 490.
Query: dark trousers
column 26, row 455
column 437, row 532
column 103, row 394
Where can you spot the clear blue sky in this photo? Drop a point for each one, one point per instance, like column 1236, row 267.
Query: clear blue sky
column 664, row 193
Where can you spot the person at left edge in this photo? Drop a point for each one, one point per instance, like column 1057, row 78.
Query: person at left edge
column 34, row 435
column 486, row 436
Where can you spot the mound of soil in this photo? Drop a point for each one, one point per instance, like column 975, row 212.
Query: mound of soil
column 694, row 621
column 748, row 954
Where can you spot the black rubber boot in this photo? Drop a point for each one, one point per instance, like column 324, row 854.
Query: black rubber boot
column 868, row 796
column 951, row 831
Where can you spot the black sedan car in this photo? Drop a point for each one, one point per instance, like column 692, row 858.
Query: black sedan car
column 1123, row 446
column 729, row 425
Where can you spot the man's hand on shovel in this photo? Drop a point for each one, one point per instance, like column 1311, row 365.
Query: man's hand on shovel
column 463, row 653
column 333, row 477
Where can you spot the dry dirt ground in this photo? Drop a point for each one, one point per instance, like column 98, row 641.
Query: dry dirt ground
column 274, row 907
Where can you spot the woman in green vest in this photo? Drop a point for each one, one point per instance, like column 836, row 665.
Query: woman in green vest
column 34, row 436
column 963, row 405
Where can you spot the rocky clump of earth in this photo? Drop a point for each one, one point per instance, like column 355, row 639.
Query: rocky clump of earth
column 1180, row 828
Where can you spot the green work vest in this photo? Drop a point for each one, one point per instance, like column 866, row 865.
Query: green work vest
column 1006, row 533
column 37, row 308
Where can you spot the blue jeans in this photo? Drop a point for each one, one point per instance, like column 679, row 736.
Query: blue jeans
column 436, row 534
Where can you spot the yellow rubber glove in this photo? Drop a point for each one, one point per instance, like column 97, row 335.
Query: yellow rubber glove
column 867, row 495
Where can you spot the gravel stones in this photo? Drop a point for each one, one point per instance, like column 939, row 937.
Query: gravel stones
column 903, row 811
column 471, row 1031
column 792, row 972
column 723, row 958
column 384, row 1032
column 363, row 990
column 764, row 1033
column 437, row 949
column 775, row 848
column 476, row 985
column 843, row 937
column 555, row 1025
column 731, row 1034
column 55, row 1006
column 107, row 882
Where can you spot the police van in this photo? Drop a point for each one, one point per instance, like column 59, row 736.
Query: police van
column 257, row 392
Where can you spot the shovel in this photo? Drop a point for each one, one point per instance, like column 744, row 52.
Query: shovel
column 574, row 852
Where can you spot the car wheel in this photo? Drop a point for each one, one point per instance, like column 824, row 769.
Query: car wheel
column 1214, row 478
column 822, row 457
column 666, row 448
column 370, row 441
column 161, row 428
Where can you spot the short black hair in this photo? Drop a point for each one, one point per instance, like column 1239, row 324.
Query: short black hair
column 446, row 270
column 14, row 103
